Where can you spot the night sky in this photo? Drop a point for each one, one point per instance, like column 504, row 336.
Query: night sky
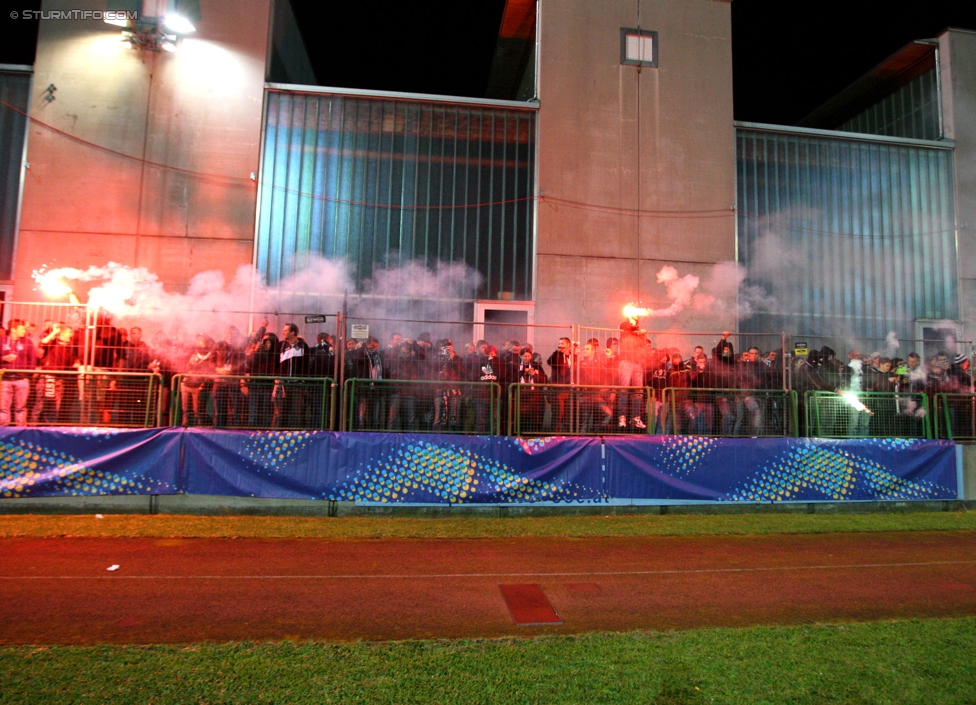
column 788, row 57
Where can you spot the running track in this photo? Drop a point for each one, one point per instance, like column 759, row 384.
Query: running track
column 188, row 590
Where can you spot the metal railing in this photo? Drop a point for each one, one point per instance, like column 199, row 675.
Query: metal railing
column 579, row 410
column 43, row 397
column 253, row 402
column 867, row 415
column 729, row 413
column 955, row 416
column 421, row 406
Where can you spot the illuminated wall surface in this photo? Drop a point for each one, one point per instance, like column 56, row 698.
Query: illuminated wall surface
column 848, row 236
column 383, row 182
column 14, row 92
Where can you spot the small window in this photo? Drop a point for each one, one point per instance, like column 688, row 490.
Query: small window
column 638, row 47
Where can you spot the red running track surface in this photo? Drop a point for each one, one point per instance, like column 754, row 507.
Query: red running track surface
column 190, row 590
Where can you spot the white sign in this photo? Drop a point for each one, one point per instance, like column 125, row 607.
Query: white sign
column 360, row 331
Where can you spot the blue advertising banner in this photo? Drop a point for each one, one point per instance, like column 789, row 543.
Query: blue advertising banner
column 444, row 469
column 390, row 467
column 75, row 462
column 779, row 469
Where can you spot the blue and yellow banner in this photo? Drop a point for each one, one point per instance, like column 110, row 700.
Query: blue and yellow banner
column 444, row 469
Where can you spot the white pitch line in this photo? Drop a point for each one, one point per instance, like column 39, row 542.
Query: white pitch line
column 431, row 576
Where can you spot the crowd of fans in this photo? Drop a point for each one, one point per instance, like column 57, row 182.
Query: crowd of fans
column 259, row 380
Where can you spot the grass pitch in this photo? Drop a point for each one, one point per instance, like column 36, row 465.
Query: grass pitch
column 914, row 661
column 908, row 661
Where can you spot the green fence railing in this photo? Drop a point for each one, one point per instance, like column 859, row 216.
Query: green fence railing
column 954, row 416
column 729, row 413
column 85, row 398
column 421, row 406
column 238, row 401
column 579, row 410
column 868, row 415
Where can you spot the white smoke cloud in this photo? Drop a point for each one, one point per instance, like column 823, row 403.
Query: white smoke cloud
column 891, row 343
column 680, row 291
column 134, row 295
column 725, row 294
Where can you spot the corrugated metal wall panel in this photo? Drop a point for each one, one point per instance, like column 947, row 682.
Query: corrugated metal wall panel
column 911, row 111
column 847, row 237
column 15, row 92
column 379, row 181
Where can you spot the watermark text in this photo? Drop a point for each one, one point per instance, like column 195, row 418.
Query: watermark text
column 106, row 15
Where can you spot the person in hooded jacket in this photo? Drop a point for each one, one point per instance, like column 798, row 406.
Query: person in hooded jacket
column 962, row 420
column 808, row 377
column 371, row 408
column 531, row 398
column 317, row 397
column 703, row 376
column 446, row 367
column 195, row 389
column 229, row 359
column 751, row 375
column 725, row 375
column 262, row 367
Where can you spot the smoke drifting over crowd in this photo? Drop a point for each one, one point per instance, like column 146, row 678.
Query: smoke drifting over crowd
column 133, row 294
column 723, row 294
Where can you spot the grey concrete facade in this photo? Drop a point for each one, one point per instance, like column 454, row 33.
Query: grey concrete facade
column 145, row 158
column 957, row 49
column 616, row 140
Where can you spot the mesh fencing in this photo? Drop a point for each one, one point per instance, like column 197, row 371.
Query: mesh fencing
column 734, row 360
column 581, row 410
column 955, row 416
column 421, row 406
column 50, row 397
column 867, row 415
column 509, row 339
column 90, row 370
column 729, row 413
column 236, row 401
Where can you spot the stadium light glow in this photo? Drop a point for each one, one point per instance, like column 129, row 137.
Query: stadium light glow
column 178, row 24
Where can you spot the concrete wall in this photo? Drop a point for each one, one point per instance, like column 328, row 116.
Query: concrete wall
column 603, row 128
column 957, row 50
column 144, row 158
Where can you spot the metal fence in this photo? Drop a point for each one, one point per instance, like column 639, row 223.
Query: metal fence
column 722, row 353
column 463, row 335
column 730, row 413
column 50, row 397
column 579, row 410
column 421, row 406
column 955, row 416
column 237, row 401
column 891, row 348
column 221, row 369
column 867, row 415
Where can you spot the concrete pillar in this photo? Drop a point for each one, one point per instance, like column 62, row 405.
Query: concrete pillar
column 617, row 139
